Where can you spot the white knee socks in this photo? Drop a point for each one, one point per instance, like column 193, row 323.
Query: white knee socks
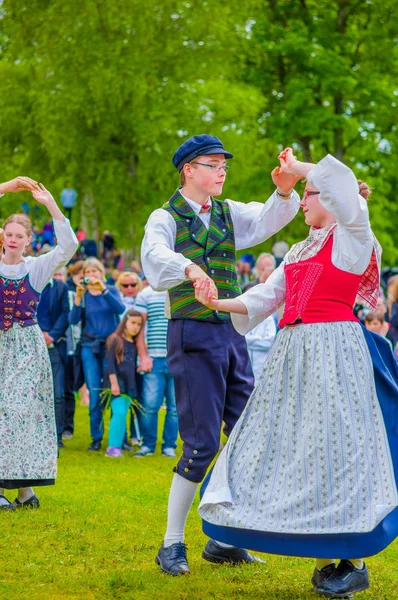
column 182, row 494
column 321, row 563
column 24, row 494
column 357, row 562
column 324, row 562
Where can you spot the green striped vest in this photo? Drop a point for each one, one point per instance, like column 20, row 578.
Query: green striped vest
column 213, row 250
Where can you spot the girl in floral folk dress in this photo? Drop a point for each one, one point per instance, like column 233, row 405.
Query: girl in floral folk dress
column 28, row 440
column 311, row 467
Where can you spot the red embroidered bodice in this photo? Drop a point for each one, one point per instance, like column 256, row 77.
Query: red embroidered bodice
column 318, row 292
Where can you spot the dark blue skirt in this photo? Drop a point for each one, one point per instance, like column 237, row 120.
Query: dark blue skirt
column 350, row 545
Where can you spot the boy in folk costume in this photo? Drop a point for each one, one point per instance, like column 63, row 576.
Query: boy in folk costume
column 194, row 238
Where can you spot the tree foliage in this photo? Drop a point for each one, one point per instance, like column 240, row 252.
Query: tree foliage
column 101, row 93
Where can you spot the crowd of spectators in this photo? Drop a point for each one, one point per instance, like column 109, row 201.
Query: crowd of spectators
column 98, row 300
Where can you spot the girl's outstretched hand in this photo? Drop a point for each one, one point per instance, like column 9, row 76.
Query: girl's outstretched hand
column 205, row 295
column 42, row 195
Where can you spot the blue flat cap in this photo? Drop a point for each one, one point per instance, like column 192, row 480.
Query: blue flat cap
column 197, row 146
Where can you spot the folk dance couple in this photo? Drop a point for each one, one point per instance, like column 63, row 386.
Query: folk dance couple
column 311, row 464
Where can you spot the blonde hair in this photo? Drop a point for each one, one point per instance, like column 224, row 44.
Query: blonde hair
column 94, row 262
column 21, row 219
column 119, row 280
column 183, row 179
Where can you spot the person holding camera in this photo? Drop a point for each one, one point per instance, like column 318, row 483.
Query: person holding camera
column 98, row 307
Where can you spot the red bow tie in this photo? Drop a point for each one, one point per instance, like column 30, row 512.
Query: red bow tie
column 205, row 208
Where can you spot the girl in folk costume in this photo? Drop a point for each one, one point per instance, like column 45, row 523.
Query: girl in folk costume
column 311, row 468
column 28, row 439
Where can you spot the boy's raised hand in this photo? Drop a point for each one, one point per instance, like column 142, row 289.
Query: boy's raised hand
column 286, row 176
column 285, row 182
column 289, row 163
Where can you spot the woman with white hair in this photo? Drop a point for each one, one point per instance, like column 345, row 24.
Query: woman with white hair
column 98, row 308
column 129, row 284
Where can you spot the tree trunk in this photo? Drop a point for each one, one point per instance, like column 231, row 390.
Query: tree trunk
column 89, row 212
column 338, row 131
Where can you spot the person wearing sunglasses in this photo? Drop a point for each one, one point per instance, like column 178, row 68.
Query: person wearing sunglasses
column 129, row 285
column 311, row 469
column 194, row 237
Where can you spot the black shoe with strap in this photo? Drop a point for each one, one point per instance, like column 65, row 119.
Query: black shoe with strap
column 173, row 559
column 320, row 575
column 215, row 553
column 33, row 502
column 345, row 580
column 8, row 506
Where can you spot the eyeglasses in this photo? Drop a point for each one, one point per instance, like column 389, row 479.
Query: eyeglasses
column 310, row 193
column 127, row 285
column 213, row 167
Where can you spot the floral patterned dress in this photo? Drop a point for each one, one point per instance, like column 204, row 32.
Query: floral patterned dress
column 28, row 440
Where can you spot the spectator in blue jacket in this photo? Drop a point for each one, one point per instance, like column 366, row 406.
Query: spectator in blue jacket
column 98, row 307
column 52, row 317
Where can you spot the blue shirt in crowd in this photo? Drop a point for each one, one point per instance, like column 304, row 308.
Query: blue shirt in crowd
column 100, row 315
column 68, row 197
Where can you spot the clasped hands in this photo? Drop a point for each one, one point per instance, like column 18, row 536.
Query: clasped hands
column 26, row 184
column 288, row 173
column 204, row 293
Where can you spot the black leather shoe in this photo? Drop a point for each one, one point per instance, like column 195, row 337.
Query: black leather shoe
column 8, row 506
column 345, row 580
column 61, row 445
column 94, row 446
column 320, row 576
column 235, row 556
column 33, row 502
column 173, row 559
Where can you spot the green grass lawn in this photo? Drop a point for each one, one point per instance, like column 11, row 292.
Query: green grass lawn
column 99, row 528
